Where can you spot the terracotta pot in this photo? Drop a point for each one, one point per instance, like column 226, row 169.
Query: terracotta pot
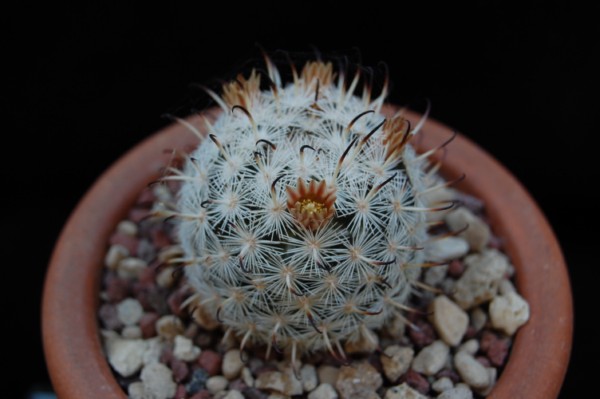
column 78, row 369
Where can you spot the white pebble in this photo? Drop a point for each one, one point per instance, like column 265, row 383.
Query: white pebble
column 125, row 355
column 431, row 358
column 323, row 391
column 478, row 318
column 471, row 371
column 114, row 255
column 158, row 381
column 396, row 360
column 460, row 391
column 281, row 382
column 135, row 390
column 471, row 347
column 234, row 394
column 477, row 234
column 129, row 311
column 131, row 267
column 442, row 384
column 293, row 386
column 169, row 326
column 358, row 380
column 232, row 364
column 247, row 377
column 449, row 320
column 509, row 312
column 154, row 348
column 479, row 283
column 446, row 249
column 506, row 286
column 308, row 374
column 127, row 227
column 403, row 391
column 185, row 350
column 131, row 332
column 435, row 275
column 492, row 374
column 216, row 384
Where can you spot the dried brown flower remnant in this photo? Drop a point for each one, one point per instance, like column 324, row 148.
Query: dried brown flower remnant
column 319, row 71
column 396, row 133
column 311, row 204
column 242, row 91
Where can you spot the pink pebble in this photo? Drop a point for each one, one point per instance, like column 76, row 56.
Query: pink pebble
column 416, row 381
column 180, row 393
column 136, row 215
column 180, row 370
column 423, row 335
column 160, row 239
column 129, row 242
column 203, row 394
column 456, row 268
column 148, row 324
column 210, row 361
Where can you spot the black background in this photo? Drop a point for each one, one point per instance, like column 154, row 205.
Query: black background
column 85, row 84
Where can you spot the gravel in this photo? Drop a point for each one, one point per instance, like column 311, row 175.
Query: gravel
column 161, row 344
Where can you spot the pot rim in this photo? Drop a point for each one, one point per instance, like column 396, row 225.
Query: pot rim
column 540, row 353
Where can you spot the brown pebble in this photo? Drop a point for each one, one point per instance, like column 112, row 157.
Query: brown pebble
column 108, row 317
column 180, row 393
column 180, row 370
column 456, row 268
column 423, row 335
column 210, row 361
column 148, row 324
column 416, row 381
column 202, row 394
column 127, row 241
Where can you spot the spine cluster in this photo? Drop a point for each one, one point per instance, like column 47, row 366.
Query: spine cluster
column 300, row 214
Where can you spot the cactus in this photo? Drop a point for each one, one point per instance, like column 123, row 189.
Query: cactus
column 300, row 215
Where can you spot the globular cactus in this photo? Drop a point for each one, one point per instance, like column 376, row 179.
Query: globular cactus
column 300, row 214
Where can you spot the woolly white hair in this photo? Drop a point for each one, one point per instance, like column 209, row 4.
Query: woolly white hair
column 300, row 213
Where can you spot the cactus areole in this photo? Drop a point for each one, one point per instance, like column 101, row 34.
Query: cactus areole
column 300, row 215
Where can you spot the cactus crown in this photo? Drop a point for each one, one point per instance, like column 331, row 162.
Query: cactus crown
column 301, row 217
